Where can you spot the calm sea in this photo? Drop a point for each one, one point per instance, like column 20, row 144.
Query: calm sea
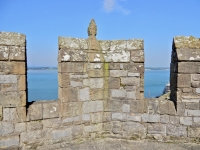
column 43, row 84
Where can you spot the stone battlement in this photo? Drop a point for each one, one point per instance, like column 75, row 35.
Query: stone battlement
column 101, row 96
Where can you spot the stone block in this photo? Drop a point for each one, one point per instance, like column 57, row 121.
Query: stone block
column 118, row 73
column 130, row 81
column 105, row 45
column 35, row 111
column 114, row 83
column 194, row 131
column 8, row 79
column 84, row 94
column 35, row 136
column 186, row 120
column 63, row 79
column 196, row 77
column 131, row 95
column 10, row 141
column 69, row 43
column 175, row 130
column 14, row 114
column 115, row 93
column 71, row 67
column 132, row 74
column 119, row 116
column 192, row 112
column 13, row 99
column 92, row 106
column 70, row 120
column 4, row 52
column 52, row 123
column 133, row 117
column 153, row 106
column 77, row 131
column 117, row 127
column 69, row 95
column 96, row 73
column 150, row 118
column 118, row 45
column 156, row 128
column 97, row 117
column 107, row 116
column 137, row 106
column 134, row 67
column 34, row 125
column 117, row 56
column 180, row 108
column 94, row 82
column 193, row 106
column 71, row 109
column 137, row 56
column 17, row 53
column 114, row 66
column 86, row 117
column 196, row 119
column 183, row 42
column 96, row 94
column 22, row 83
column 189, row 67
column 125, row 108
column 134, row 129
column 13, row 67
column 6, row 128
column 135, row 44
column 9, row 87
column 93, row 128
column 114, row 105
column 164, row 118
column 167, row 107
column 11, row 38
column 183, row 80
column 50, row 109
column 174, row 119
column 20, row 127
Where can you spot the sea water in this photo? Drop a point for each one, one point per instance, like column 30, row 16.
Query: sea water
column 43, row 84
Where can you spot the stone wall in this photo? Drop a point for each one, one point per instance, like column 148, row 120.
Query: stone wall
column 101, row 101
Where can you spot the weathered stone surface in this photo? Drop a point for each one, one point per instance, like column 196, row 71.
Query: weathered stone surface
column 192, row 112
column 105, row 45
column 193, row 106
column 20, row 127
column 186, row 54
column 175, row 130
column 150, row 118
column 69, row 95
column 35, row 111
column 93, row 128
column 17, row 53
column 50, row 109
column 137, row 56
column 86, row 117
column 12, row 67
column 93, row 82
column 4, row 52
column 134, row 67
column 84, row 94
column 194, row 131
column 97, row 117
column 118, row 45
column 134, row 129
column 71, row 109
column 132, row 74
column 1, row 112
column 174, row 120
column 8, row 78
column 186, row 120
column 156, row 128
column 35, row 136
column 10, row 141
column 52, row 123
column 11, row 38
column 115, row 93
column 22, row 83
column 167, row 107
column 71, row 67
column 114, row 105
column 63, row 79
column 118, row 73
column 69, row 43
column 96, row 94
column 130, row 81
column 14, row 114
column 34, row 125
column 119, row 116
column 92, row 106
column 117, row 127
column 83, row 43
column 186, row 42
column 70, row 120
column 164, row 118
column 10, row 99
column 137, row 106
column 118, row 56
column 125, row 108
column 6, row 128
column 114, row 83
column 132, row 117
column 135, row 44
column 183, row 80
column 189, row 67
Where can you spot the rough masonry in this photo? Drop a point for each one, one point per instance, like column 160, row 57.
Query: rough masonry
column 101, row 102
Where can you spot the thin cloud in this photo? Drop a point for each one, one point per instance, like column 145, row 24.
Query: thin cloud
column 115, row 5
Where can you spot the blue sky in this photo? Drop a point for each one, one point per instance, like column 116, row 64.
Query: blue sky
column 155, row 21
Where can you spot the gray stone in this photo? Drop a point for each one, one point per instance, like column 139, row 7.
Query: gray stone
column 76, row 84
column 50, row 109
column 114, row 105
column 17, row 53
column 186, row 120
column 175, row 130
column 193, row 106
column 35, row 111
column 114, row 83
column 134, row 130
column 20, row 127
column 8, row 78
column 69, row 95
column 71, row 67
column 119, row 116
column 97, row 117
column 131, row 95
column 11, row 38
column 118, row 73
column 92, row 106
column 181, row 42
column 132, row 74
column 194, row 131
column 69, row 43
column 117, row 127
column 105, row 45
column 34, row 125
column 86, row 117
column 117, row 56
column 132, row 117
column 164, row 119
column 156, row 128
column 125, row 108
column 150, row 118
column 196, row 77
column 174, row 119
column 93, row 128
column 193, row 112
column 94, row 82
column 77, row 131
column 137, row 56
column 196, row 119
column 115, row 93
column 71, row 109
column 4, row 52
column 137, row 106
column 6, row 128
column 130, row 81
column 62, row 133
column 52, row 123
column 9, row 141
column 84, row 94
column 135, row 44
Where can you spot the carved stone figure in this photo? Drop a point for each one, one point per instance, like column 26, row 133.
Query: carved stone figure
column 93, row 43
